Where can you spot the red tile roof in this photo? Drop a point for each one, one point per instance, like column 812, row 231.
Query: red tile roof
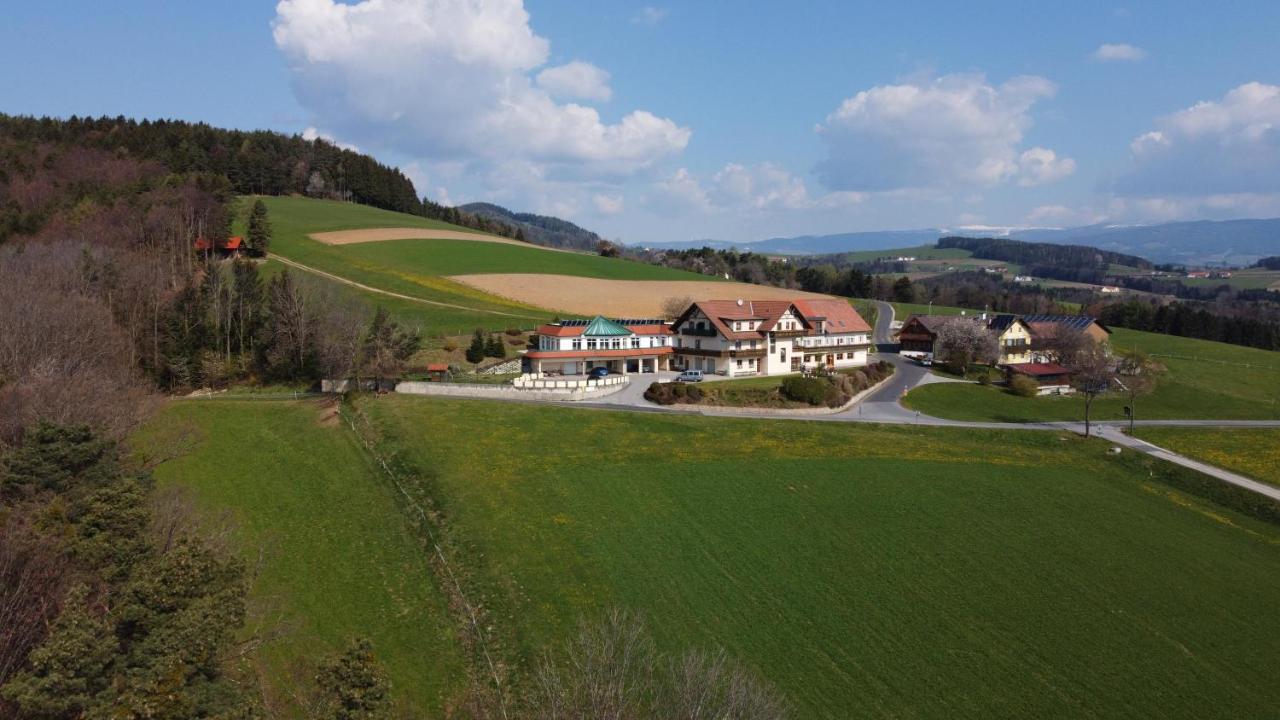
column 233, row 243
column 839, row 315
column 437, row 367
column 590, row 354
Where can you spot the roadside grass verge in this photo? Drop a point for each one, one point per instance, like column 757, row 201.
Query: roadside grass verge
column 1254, row 452
column 1205, row 380
column 330, row 553
column 868, row 571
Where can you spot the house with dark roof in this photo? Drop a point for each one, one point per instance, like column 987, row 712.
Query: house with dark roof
column 918, row 334
column 575, row 347
column 1045, row 327
column 769, row 337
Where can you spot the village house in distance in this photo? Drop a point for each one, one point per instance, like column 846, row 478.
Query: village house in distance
column 734, row 338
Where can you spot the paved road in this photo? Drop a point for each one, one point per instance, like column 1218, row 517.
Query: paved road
column 1115, row 435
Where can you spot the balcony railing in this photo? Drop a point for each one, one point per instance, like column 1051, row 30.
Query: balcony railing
column 799, row 332
column 829, row 344
column 747, row 353
column 698, row 332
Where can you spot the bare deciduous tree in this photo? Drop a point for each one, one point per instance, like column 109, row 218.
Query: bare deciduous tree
column 612, row 671
column 1137, row 374
column 673, row 306
column 1093, row 373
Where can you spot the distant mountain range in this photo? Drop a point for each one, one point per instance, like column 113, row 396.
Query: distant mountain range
column 538, row 229
column 1200, row 242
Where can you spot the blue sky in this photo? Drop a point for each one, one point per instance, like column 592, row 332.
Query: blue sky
column 729, row 120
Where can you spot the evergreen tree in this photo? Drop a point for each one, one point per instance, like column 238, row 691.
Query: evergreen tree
column 66, row 674
column 259, row 235
column 477, row 350
column 494, row 347
column 354, row 685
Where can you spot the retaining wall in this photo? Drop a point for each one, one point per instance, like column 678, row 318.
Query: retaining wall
column 508, row 392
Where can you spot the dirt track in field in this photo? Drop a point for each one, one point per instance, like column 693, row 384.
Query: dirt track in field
column 614, row 298
column 367, row 235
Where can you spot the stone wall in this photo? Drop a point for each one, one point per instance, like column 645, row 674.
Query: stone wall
column 558, row 390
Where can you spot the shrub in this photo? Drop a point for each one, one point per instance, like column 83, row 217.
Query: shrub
column 809, row 390
column 694, row 393
column 680, row 390
column 450, row 347
column 984, row 378
column 514, row 332
column 860, row 381
column 1023, row 386
column 659, row 393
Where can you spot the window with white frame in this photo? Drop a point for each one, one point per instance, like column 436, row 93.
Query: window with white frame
column 577, row 343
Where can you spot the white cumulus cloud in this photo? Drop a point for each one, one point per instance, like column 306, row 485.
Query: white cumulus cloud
column 955, row 130
column 1040, row 166
column 1229, row 147
column 1110, row 52
column 312, row 133
column 451, row 79
column 578, row 80
column 607, row 204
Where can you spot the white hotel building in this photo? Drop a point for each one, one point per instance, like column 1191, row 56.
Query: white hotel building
column 769, row 337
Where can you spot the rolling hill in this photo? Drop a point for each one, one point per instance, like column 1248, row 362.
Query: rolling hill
column 1192, row 243
column 538, row 229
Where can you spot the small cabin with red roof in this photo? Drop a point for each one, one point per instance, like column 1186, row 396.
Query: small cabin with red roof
column 233, row 246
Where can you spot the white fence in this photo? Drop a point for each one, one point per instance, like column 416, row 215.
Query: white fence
column 538, row 381
column 537, row 389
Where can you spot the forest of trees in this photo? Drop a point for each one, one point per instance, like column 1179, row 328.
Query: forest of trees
column 539, row 229
column 1076, row 263
column 1194, row 321
column 1269, row 263
column 257, row 162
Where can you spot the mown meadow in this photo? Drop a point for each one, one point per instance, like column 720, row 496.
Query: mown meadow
column 420, row 268
column 1254, row 452
column 330, row 554
column 866, row 571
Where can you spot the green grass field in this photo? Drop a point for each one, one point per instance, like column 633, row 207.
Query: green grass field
column 1254, row 452
column 419, row 268
column 1205, row 380
column 1248, row 279
column 867, row 571
column 330, row 553
column 902, row 311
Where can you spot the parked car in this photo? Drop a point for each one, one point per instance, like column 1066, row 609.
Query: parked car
column 690, row 376
column 597, row 372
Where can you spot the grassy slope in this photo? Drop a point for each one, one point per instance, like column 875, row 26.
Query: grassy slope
column 417, row 267
column 338, row 560
column 1254, row 452
column 1206, row 380
column 868, row 571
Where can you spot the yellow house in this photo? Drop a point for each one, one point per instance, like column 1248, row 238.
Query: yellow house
column 1015, row 339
